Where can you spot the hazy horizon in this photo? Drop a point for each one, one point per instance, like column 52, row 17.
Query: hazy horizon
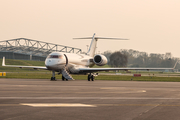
column 152, row 26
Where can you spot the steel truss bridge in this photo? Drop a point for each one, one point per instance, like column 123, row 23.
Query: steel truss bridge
column 34, row 47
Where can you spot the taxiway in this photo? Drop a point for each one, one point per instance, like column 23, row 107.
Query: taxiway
column 80, row 99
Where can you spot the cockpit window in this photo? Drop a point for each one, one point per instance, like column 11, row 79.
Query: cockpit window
column 55, row 56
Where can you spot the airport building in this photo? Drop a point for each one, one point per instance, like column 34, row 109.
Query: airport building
column 28, row 49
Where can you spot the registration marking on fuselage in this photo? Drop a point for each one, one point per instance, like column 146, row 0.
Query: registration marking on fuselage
column 57, row 105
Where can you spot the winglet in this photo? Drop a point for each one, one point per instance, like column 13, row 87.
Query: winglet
column 175, row 64
column 3, row 62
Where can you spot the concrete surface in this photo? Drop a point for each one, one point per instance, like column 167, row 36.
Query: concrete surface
column 27, row 99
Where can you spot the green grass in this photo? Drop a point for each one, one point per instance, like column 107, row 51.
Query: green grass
column 105, row 66
column 47, row 75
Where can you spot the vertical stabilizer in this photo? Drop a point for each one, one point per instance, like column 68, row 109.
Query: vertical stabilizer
column 92, row 47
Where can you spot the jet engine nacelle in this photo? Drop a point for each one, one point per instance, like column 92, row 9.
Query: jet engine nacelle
column 100, row 60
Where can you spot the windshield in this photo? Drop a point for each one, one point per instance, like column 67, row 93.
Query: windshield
column 55, row 56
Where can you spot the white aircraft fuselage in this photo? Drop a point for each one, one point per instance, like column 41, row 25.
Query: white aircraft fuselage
column 57, row 61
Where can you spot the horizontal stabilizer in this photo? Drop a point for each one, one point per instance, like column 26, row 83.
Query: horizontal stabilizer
column 92, row 47
column 102, row 38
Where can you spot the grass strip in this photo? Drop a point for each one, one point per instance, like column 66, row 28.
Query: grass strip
column 47, row 75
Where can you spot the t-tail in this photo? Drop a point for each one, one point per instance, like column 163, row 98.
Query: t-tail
column 92, row 47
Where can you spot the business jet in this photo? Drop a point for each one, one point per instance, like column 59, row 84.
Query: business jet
column 71, row 63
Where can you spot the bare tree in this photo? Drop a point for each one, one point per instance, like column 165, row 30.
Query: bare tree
column 107, row 54
column 140, row 59
column 117, row 59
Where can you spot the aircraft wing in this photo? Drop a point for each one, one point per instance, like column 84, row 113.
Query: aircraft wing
column 19, row 66
column 114, row 69
column 125, row 69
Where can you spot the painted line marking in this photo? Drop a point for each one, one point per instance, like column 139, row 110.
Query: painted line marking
column 139, row 91
column 9, row 105
column 112, row 88
column 155, row 105
column 57, row 105
column 86, row 98
column 124, row 90
column 86, row 105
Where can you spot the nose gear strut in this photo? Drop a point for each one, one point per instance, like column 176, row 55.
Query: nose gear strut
column 53, row 78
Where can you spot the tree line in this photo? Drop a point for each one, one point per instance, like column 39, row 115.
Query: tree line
column 134, row 58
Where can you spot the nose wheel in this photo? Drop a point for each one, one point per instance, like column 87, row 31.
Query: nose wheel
column 53, row 78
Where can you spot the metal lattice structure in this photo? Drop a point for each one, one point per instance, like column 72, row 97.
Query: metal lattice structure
column 34, row 47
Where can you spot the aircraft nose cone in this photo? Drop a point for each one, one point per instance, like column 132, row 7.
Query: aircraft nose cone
column 48, row 62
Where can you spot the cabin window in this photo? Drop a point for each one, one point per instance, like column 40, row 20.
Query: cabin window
column 55, row 56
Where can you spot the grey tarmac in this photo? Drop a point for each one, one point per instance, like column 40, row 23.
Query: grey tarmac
column 25, row 99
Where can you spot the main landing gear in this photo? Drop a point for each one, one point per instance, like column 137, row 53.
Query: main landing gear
column 53, row 78
column 91, row 77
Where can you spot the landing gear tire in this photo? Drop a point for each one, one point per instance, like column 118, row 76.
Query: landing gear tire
column 53, row 78
column 90, row 77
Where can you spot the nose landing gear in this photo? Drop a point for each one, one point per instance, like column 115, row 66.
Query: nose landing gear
column 53, row 78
